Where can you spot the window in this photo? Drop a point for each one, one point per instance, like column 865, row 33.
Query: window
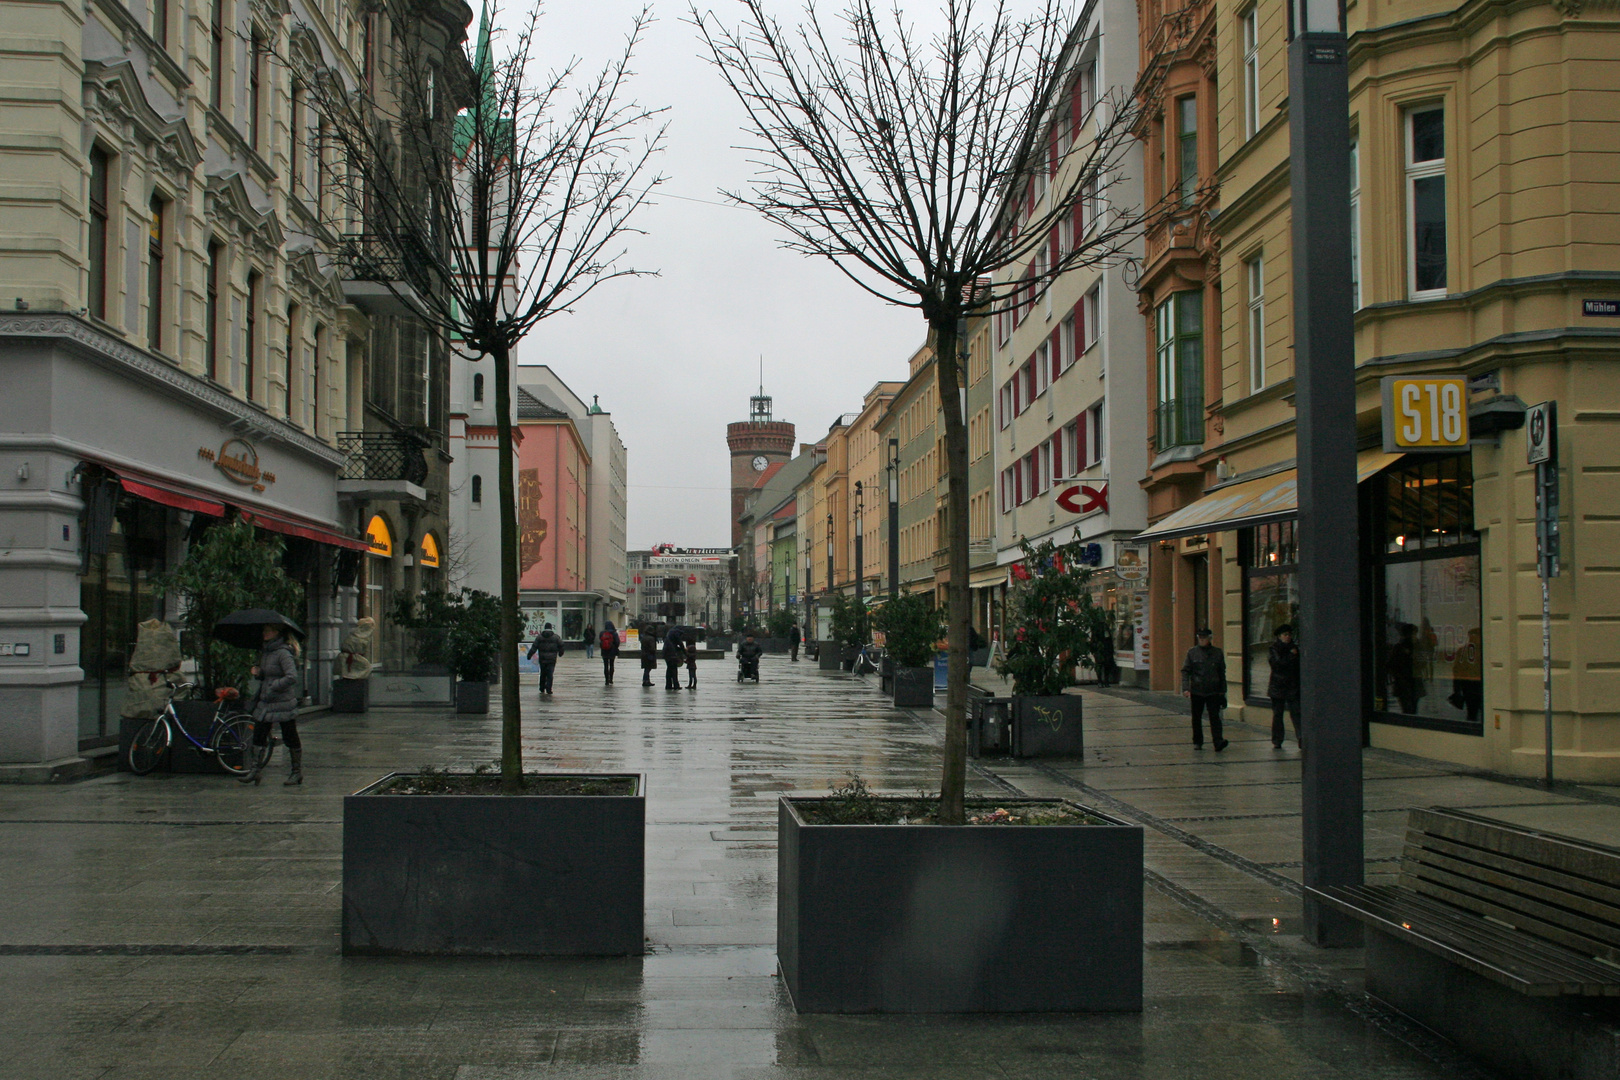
column 1091, row 305
column 1005, row 404
column 1426, row 203
column 368, row 48
column 1179, row 349
column 211, row 310
column 1187, row 148
column 1094, row 424
column 295, row 144
column 250, row 339
column 1085, row 93
column 1355, row 224
column 154, row 276
column 1254, row 275
column 1073, row 447
column 312, row 378
column 292, row 351
column 477, row 490
column 478, row 389
column 1251, row 73
column 1066, row 342
column 216, row 54
column 318, row 152
column 97, row 254
column 255, row 88
column 1270, row 559
column 160, row 22
column 1042, row 364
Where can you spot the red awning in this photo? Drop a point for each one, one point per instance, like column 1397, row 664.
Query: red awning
column 171, row 495
column 308, row 530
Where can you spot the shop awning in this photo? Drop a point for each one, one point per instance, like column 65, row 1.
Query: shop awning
column 1252, row 502
column 288, row 526
column 169, row 494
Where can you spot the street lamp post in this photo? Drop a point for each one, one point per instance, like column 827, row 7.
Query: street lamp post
column 860, row 564
column 829, row 551
column 1325, row 388
column 894, row 517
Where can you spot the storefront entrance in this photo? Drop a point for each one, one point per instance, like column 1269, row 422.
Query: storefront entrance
column 116, row 591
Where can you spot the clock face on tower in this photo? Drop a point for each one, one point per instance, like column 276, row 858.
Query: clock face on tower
column 760, row 463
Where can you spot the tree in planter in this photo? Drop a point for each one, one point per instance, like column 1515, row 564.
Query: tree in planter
column 230, row 568
column 779, row 623
column 1051, row 618
column 851, row 626
column 912, row 630
column 484, row 228
column 474, row 640
column 430, row 614
column 913, row 166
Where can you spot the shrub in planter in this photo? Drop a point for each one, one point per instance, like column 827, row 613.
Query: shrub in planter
column 912, row 629
column 850, row 628
column 462, row 631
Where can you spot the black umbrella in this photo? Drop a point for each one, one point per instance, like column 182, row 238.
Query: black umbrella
column 245, row 628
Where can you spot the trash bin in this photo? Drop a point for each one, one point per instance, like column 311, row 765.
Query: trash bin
column 989, row 725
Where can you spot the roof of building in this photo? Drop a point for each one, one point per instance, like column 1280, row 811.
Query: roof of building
column 530, row 407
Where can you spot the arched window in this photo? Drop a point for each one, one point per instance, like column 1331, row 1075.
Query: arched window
column 477, row 490
column 478, row 387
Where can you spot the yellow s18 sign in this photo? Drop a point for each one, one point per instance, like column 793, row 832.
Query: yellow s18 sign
column 1425, row 412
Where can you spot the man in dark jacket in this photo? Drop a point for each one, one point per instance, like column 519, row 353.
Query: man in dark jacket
column 1203, row 681
column 674, row 657
column 648, row 635
column 1283, row 687
column 546, row 648
column 609, row 642
column 794, row 637
column 748, row 654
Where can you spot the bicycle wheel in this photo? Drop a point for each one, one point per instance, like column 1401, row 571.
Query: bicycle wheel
column 148, row 746
column 233, row 744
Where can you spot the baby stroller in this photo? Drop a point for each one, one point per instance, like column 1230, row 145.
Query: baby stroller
column 747, row 668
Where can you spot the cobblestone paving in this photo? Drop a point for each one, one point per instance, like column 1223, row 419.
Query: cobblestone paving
column 178, row 926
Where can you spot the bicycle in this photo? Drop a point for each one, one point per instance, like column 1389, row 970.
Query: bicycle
column 229, row 737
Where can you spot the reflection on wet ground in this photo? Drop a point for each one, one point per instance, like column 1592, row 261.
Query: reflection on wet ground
column 177, row 926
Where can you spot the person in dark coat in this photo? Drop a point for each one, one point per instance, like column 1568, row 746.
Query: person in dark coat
column 609, row 642
column 590, row 642
column 795, row 636
column 1283, row 686
column 649, row 652
column 674, row 657
column 691, row 659
column 1203, row 682
column 545, row 650
column 277, row 672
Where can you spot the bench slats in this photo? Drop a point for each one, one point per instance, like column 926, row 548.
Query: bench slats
column 1570, row 890
column 1591, row 861
column 1452, row 882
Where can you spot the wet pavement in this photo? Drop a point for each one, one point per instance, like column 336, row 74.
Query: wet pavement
column 183, row 926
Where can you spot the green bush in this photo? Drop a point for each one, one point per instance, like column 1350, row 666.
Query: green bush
column 230, row 568
column 779, row 623
column 912, row 629
column 1052, row 622
column 850, row 622
column 461, row 631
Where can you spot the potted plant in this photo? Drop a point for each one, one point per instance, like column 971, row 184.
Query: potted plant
column 1051, row 619
column 447, row 864
column 472, row 646
column 850, row 631
column 1035, row 906
column 912, row 629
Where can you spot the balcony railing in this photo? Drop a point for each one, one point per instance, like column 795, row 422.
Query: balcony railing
column 385, row 456
column 1178, row 422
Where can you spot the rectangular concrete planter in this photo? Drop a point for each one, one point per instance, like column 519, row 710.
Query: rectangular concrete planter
column 1047, row 726
column 494, row 875
column 350, row 695
column 913, row 687
column 828, row 660
column 922, row 918
column 472, row 697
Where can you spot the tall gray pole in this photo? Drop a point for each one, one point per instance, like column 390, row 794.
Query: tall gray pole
column 1325, row 404
column 860, row 564
column 894, row 517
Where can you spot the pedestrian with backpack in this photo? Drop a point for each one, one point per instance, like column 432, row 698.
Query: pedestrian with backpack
column 609, row 641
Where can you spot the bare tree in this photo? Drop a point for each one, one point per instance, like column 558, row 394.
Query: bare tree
column 913, row 165
column 486, row 200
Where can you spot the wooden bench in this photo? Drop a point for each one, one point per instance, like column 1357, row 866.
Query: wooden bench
column 1504, row 939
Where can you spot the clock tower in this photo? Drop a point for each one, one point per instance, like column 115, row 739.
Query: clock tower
column 755, row 443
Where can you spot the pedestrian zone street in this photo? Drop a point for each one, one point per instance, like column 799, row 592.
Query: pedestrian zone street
column 181, row 926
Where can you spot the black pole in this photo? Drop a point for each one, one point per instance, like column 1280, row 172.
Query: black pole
column 1325, row 387
column 829, row 552
column 894, row 517
column 860, row 564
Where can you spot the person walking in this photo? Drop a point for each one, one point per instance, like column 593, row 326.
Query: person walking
column 1203, row 682
column 1283, row 686
column 590, row 642
column 794, row 637
column 674, row 657
column 546, row 649
column 691, row 660
column 649, row 652
column 278, row 697
column 609, row 642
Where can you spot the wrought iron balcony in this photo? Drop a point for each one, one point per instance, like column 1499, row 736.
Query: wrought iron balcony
column 373, row 269
column 1178, row 422
column 382, row 464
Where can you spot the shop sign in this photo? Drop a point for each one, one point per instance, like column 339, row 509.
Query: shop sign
column 239, row 461
column 1425, row 413
column 430, row 552
column 378, row 536
column 1084, row 498
column 1130, row 562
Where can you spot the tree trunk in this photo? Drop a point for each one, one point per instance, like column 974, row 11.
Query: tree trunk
column 953, row 778
column 506, row 489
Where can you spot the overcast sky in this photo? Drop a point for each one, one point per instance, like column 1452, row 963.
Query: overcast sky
column 676, row 357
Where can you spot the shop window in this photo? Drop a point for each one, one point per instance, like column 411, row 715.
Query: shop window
column 1270, row 557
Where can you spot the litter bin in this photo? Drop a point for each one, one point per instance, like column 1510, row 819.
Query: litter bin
column 989, row 725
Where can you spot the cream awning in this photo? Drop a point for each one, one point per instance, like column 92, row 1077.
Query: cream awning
column 1252, row 502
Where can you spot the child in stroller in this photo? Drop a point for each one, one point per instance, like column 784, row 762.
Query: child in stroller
column 748, row 654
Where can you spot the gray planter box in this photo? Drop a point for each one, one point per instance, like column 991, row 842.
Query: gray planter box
column 351, row 695
column 828, row 660
column 913, row 687
column 1047, row 726
column 919, row 918
column 494, row 875
column 472, row 697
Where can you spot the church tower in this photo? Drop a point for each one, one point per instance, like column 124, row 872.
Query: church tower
column 755, row 444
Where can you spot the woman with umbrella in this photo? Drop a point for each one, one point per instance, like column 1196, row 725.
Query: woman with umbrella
column 277, row 672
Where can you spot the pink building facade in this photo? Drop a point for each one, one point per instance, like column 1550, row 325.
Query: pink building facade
column 552, row 493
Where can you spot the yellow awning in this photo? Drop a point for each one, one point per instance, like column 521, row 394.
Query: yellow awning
column 1252, row 502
